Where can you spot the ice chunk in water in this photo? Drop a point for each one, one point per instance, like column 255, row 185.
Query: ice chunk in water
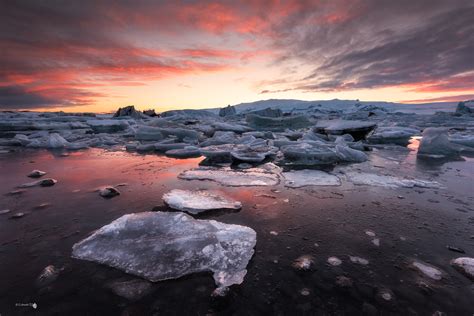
column 301, row 178
column 361, row 178
column 465, row 265
column 428, row 270
column 160, row 245
column 195, row 202
column 230, row 177
column 435, row 142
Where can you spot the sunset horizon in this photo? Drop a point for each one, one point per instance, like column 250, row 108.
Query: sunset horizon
column 98, row 56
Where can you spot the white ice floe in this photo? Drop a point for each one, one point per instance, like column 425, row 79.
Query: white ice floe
column 307, row 177
column 428, row 270
column 160, row 245
column 196, row 202
column 230, row 177
column 362, row 178
column 464, row 265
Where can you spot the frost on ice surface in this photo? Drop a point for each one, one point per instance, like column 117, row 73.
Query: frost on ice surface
column 361, row 178
column 195, row 202
column 230, row 177
column 159, row 246
column 301, row 178
column 428, row 270
column 465, row 265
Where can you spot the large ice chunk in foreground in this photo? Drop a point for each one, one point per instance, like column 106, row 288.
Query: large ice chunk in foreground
column 230, row 177
column 196, row 202
column 301, row 178
column 160, row 246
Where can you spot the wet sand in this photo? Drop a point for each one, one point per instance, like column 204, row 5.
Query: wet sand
column 410, row 223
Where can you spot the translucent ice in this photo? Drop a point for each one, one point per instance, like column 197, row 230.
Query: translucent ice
column 159, row 246
column 230, row 177
column 195, row 202
column 301, row 178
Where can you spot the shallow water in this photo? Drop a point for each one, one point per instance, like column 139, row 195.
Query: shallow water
column 319, row 221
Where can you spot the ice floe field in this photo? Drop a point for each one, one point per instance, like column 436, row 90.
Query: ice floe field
column 274, row 207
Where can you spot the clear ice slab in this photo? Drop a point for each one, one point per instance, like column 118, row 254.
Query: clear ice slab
column 160, row 246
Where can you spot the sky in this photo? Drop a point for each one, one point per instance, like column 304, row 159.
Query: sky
column 99, row 55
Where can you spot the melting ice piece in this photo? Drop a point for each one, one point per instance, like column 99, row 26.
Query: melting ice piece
column 428, row 270
column 304, row 262
column 361, row 178
column 359, row 260
column 229, row 177
column 301, row 178
column 36, row 174
column 196, row 202
column 132, row 290
column 44, row 183
column 334, row 261
column 465, row 265
column 160, row 245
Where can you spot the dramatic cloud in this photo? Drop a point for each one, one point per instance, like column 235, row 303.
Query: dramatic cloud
column 69, row 53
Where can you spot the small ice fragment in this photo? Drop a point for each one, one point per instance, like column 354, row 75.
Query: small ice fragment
column 359, row 260
column 108, row 192
column 44, row 183
column 36, row 174
column 304, row 262
column 47, row 276
column 464, row 265
column 305, row 291
column 370, row 233
column 428, row 270
column 334, row 261
column 4, row 211
column 376, row 241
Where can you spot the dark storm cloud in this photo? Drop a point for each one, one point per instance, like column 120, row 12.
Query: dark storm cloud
column 383, row 43
column 13, row 97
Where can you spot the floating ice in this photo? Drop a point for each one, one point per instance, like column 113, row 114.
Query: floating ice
column 361, row 178
column 392, row 135
column 464, row 265
column 230, row 177
column 44, row 183
column 304, row 262
column 358, row 129
column 159, row 246
column 428, row 270
column 359, row 260
column 108, row 125
column 277, row 123
column 196, row 202
column 47, row 276
column 334, row 261
column 36, row 174
column 148, row 133
column 231, row 127
column 108, row 192
column 435, row 142
column 301, row 178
